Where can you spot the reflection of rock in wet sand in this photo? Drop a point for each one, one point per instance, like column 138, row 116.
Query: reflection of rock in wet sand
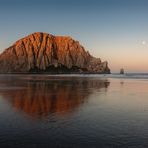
column 38, row 98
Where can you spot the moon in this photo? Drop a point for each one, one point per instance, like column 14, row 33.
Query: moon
column 143, row 42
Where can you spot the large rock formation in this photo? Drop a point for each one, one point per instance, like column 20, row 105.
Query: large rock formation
column 42, row 52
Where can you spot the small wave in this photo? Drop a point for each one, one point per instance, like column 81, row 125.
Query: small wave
column 126, row 76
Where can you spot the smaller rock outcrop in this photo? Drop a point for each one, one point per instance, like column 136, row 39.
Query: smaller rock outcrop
column 121, row 71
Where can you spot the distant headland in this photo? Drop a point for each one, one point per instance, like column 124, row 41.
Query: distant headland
column 44, row 53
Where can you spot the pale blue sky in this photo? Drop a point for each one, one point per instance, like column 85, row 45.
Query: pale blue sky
column 113, row 30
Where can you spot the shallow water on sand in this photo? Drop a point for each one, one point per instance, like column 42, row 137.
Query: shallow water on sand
column 73, row 111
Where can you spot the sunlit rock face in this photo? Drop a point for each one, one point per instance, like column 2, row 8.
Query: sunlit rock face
column 42, row 52
column 39, row 97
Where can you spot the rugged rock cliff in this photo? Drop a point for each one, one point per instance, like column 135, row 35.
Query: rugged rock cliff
column 42, row 52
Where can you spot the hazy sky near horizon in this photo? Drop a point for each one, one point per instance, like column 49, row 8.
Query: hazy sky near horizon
column 114, row 30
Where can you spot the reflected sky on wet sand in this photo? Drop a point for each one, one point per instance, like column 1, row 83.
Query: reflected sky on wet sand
column 52, row 111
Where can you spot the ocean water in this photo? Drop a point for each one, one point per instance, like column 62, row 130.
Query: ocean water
column 74, row 111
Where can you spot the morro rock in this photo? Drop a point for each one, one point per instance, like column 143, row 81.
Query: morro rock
column 42, row 52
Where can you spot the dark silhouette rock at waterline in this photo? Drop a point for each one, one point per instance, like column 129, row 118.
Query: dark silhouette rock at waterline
column 121, row 71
